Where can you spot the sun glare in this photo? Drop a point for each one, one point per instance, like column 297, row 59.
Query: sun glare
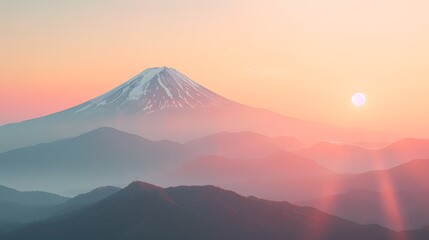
column 358, row 99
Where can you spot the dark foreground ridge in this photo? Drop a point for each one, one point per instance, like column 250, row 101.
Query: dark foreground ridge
column 145, row 211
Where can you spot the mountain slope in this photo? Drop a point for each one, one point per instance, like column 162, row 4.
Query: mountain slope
column 370, row 207
column 146, row 211
column 29, row 197
column 153, row 90
column 410, row 176
column 162, row 103
column 243, row 145
column 103, row 156
column 258, row 177
column 25, row 206
column 279, row 183
column 347, row 158
column 92, row 196
column 281, row 165
column 6, row 227
column 23, row 212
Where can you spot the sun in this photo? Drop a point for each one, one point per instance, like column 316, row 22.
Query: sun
column 358, row 99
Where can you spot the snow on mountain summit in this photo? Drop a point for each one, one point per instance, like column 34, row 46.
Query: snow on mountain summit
column 152, row 90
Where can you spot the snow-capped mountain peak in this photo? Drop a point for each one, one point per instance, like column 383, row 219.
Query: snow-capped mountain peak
column 152, row 90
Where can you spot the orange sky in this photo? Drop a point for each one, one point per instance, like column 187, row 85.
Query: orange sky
column 299, row 58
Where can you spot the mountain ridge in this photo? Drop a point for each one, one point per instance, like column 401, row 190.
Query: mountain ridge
column 353, row 159
column 99, row 157
column 30, row 197
column 196, row 212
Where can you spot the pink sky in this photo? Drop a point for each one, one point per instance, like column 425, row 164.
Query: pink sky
column 300, row 58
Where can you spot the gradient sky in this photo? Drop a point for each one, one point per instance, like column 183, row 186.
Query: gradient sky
column 300, row 58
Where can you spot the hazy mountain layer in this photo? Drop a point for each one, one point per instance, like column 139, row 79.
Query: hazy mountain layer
column 100, row 157
column 347, row 158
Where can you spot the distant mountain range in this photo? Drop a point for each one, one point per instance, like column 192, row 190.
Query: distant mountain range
column 30, row 206
column 110, row 157
column 100, row 157
column 29, row 197
column 243, row 145
column 410, row 176
column 348, row 158
column 162, row 103
column 261, row 176
column 92, row 196
column 284, row 178
column 146, row 211
column 410, row 209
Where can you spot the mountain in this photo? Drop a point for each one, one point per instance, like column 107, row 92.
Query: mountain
column 162, row 103
column 92, row 196
column 102, row 156
column 24, row 206
column 22, row 212
column 6, row 227
column 347, row 158
column 146, row 211
column 370, row 145
column 279, row 165
column 243, row 145
column 408, row 177
column 418, row 234
column 259, row 177
column 370, row 207
column 287, row 176
column 151, row 91
column 408, row 149
column 29, row 197
column 84, row 199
